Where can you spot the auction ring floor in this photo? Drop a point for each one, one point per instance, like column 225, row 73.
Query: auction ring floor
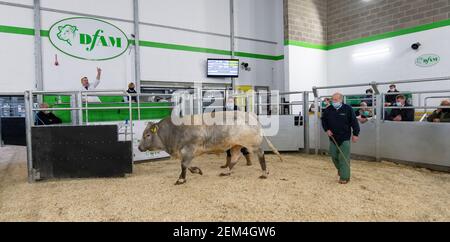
column 303, row 188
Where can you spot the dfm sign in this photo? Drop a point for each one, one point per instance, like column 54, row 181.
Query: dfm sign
column 88, row 38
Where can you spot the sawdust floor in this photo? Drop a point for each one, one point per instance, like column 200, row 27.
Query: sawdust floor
column 303, row 188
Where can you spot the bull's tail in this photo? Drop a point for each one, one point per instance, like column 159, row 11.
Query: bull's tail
column 273, row 148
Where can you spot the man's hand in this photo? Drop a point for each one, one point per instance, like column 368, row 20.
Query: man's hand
column 355, row 139
column 329, row 133
column 398, row 118
column 99, row 73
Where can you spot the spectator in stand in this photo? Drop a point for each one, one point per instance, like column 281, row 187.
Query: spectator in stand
column 402, row 114
column 45, row 117
column 442, row 115
column 364, row 113
column 390, row 100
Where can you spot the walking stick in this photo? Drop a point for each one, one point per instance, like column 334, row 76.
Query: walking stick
column 347, row 161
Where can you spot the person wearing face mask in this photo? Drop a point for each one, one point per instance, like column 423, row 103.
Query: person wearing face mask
column 340, row 123
column 390, row 100
column 364, row 113
column 131, row 90
column 46, row 117
column 402, row 114
column 441, row 115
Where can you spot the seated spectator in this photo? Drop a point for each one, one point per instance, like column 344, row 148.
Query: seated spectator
column 402, row 114
column 441, row 115
column 391, row 99
column 369, row 97
column 131, row 90
column 364, row 114
column 46, row 117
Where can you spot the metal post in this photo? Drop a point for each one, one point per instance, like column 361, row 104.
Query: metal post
column 306, row 121
column 1, row 137
column 137, row 51
column 73, row 113
column 38, row 46
column 80, row 108
column 130, row 107
column 379, row 117
column 317, row 125
column 28, row 98
column 232, row 37
column 86, row 105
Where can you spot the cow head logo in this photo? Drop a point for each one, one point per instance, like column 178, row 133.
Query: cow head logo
column 67, row 33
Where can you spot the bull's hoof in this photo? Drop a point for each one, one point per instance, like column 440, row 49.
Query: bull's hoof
column 249, row 164
column 196, row 170
column 263, row 177
column 225, row 174
column 224, row 166
column 180, row 182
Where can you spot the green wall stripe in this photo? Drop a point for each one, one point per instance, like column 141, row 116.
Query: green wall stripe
column 20, row 30
column 392, row 34
column 259, row 56
column 16, row 30
column 306, row 45
column 439, row 24
column 183, row 48
column 45, row 33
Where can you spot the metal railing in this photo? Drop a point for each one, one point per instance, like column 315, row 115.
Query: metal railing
column 377, row 104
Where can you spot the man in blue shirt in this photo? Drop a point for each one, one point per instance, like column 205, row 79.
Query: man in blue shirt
column 340, row 123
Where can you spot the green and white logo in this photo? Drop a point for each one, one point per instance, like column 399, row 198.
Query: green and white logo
column 88, row 39
column 427, row 60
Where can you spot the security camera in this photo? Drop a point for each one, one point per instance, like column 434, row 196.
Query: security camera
column 416, row 46
column 246, row 66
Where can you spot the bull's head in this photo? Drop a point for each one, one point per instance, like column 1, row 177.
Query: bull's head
column 150, row 140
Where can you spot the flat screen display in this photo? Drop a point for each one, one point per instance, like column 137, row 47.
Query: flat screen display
column 223, row 68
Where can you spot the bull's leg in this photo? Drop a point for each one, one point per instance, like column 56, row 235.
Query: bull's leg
column 228, row 160
column 185, row 164
column 235, row 155
column 196, row 170
column 262, row 161
column 247, row 156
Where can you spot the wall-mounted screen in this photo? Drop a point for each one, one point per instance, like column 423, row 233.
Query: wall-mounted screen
column 223, row 68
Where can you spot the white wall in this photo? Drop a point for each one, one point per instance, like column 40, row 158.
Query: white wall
column 343, row 68
column 306, row 68
column 16, row 51
column 256, row 19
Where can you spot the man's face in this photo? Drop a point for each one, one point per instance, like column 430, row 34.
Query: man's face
column 337, row 99
column 364, row 106
column 401, row 100
column 85, row 82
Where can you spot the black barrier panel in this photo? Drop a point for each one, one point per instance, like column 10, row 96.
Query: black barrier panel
column 80, row 152
column 13, row 131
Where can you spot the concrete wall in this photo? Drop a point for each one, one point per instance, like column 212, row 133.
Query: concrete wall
column 306, row 20
column 319, row 62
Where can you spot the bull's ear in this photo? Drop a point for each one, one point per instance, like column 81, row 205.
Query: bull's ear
column 150, row 124
column 60, row 28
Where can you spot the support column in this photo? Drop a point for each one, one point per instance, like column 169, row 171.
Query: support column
column 137, row 50
column 232, row 38
column 39, row 84
column 306, row 122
